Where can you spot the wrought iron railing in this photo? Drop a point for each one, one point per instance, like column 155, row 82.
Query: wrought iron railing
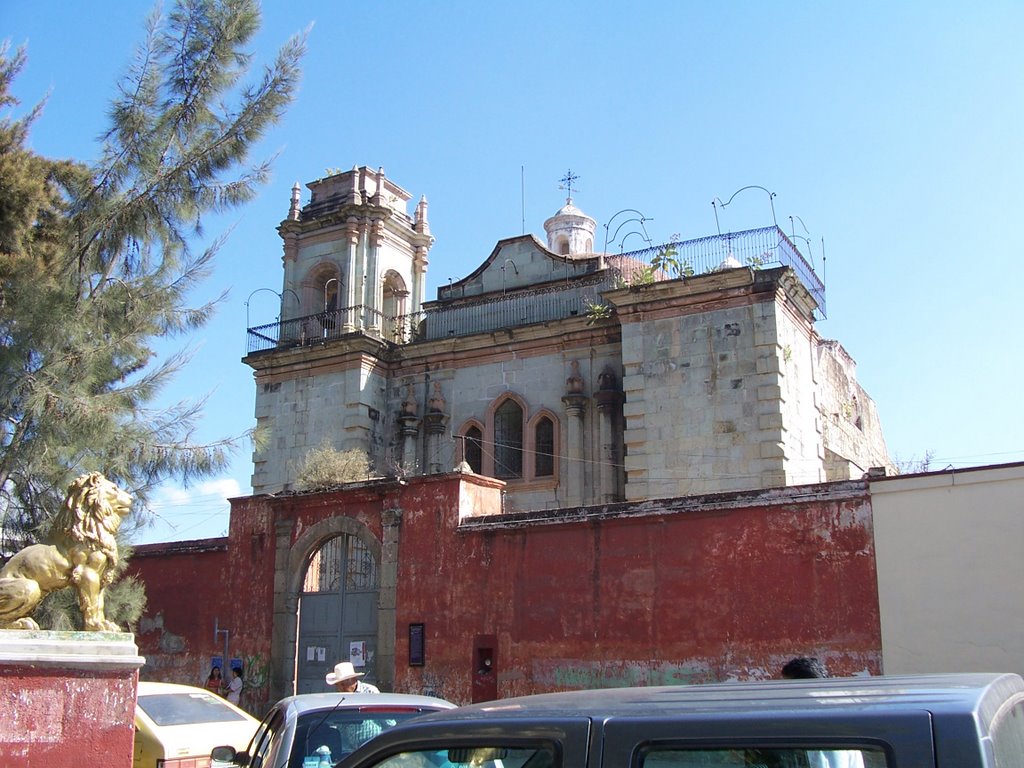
column 511, row 310
column 756, row 248
column 323, row 326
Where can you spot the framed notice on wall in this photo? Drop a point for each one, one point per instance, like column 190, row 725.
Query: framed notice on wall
column 417, row 654
column 357, row 653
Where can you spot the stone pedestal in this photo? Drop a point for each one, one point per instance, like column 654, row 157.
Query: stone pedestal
column 68, row 698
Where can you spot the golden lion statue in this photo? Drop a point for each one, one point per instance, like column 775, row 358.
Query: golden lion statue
column 81, row 553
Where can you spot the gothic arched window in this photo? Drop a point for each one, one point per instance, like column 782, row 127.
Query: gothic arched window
column 473, row 449
column 515, row 445
column 544, row 447
column 508, row 440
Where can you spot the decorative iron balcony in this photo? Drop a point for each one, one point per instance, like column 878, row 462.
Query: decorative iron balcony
column 756, row 248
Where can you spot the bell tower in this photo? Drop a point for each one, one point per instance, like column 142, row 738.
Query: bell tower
column 354, row 253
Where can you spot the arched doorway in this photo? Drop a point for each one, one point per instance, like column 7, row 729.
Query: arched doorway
column 337, row 612
column 393, row 308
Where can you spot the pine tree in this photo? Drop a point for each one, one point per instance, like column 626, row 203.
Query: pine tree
column 96, row 263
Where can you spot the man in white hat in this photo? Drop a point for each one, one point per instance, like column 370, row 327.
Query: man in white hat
column 345, row 679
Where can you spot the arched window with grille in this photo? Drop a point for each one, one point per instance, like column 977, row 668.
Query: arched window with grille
column 508, row 440
column 543, row 447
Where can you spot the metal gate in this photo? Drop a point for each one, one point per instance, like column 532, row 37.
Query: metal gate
column 337, row 613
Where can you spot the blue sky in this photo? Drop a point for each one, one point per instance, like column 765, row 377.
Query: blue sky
column 892, row 130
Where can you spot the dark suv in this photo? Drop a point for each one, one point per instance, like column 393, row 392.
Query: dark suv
column 932, row 721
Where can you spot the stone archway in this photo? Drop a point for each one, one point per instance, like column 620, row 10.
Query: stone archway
column 290, row 564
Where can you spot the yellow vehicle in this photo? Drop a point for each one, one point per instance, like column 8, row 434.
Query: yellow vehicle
column 176, row 726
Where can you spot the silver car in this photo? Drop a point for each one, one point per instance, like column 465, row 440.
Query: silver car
column 319, row 729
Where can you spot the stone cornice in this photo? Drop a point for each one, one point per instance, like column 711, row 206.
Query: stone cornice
column 70, row 650
column 844, row 491
column 352, row 346
column 526, row 341
column 337, row 219
column 718, row 289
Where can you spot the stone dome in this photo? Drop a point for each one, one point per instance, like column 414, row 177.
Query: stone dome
column 570, row 231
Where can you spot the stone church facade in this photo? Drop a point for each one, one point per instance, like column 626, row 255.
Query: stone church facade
column 574, row 376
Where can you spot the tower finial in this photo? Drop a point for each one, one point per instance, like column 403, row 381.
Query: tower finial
column 566, row 183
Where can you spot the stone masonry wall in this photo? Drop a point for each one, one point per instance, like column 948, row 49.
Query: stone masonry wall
column 801, row 447
column 342, row 405
column 703, row 401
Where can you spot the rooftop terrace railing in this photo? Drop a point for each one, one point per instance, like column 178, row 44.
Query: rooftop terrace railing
column 756, row 248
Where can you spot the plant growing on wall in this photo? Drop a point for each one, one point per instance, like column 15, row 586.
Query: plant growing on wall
column 326, row 467
column 597, row 311
column 667, row 260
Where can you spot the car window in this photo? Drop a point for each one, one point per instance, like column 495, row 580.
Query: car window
column 758, row 757
column 475, row 757
column 264, row 737
column 187, row 708
column 337, row 733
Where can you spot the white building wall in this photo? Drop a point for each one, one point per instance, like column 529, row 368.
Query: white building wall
column 950, row 570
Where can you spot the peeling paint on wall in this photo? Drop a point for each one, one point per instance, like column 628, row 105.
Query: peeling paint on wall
column 660, row 592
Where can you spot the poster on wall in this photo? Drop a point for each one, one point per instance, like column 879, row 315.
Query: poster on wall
column 357, row 653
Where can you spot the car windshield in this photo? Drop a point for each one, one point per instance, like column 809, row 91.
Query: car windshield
column 187, row 708
column 335, row 733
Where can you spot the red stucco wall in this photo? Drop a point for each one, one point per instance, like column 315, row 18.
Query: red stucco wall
column 187, row 592
column 687, row 596
column 685, row 590
column 61, row 716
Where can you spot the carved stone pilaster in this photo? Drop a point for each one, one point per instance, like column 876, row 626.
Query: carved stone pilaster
column 609, row 399
column 391, row 518
column 408, row 429
column 285, row 627
column 436, row 422
column 348, row 274
column 575, row 407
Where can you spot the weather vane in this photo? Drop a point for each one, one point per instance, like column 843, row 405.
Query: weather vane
column 566, row 183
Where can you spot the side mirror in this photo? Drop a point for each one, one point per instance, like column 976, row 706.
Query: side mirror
column 227, row 754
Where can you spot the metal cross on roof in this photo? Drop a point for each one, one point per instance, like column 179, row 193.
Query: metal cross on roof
column 566, row 183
